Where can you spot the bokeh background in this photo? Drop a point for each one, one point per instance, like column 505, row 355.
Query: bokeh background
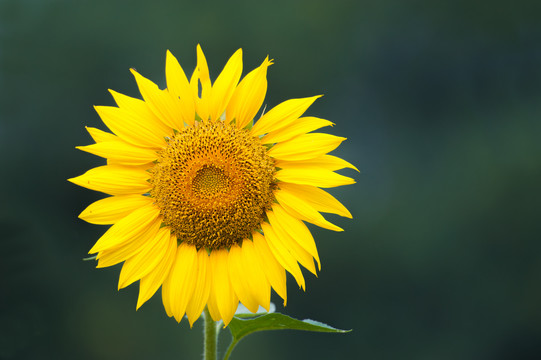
column 441, row 104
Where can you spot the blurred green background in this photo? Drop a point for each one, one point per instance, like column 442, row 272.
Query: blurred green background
column 441, row 104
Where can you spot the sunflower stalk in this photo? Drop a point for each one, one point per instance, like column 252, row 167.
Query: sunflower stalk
column 210, row 335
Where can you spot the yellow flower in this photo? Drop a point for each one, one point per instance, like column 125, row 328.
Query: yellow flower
column 205, row 203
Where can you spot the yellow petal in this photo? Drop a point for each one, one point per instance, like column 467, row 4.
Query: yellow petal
column 166, row 290
column 303, row 125
column 124, row 251
column 178, row 85
column 319, row 199
column 201, row 75
column 298, row 253
column 135, row 129
column 315, row 177
column 203, row 70
column 297, row 230
column 237, row 274
column 111, row 209
column 212, row 303
column 160, row 102
column 289, row 201
column 194, row 86
column 225, row 84
column 142, row 111
column 182, row 282
column 100, row 135
column 151, row 282
column 282, row 254
column 274, row 272
column 152, row 253
column 254, row 275
column 114, row 180
column 127, row 228
column 226, row 298
column 202, row 287
column 282, row 115
column 305, row 146
column 248, row 96
column 327, row 162
column 121, row 152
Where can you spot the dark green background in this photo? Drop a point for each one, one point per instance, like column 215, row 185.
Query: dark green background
column 441, row 104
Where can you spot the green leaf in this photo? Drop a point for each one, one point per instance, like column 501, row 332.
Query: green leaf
column 276, row 321
column 240, row 327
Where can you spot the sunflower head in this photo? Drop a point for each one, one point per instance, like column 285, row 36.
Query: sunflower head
column 206, row 201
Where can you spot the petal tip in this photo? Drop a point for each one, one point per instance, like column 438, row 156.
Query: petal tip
column 135, row 73
column 268, row 62
column 75, row 180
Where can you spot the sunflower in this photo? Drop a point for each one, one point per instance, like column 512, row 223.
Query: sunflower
column 203, row 201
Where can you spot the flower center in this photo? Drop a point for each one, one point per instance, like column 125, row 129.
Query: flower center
column 210, row 181
column 213, row 184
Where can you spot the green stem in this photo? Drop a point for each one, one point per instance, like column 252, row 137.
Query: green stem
column 230, row 349
column 210, row 333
